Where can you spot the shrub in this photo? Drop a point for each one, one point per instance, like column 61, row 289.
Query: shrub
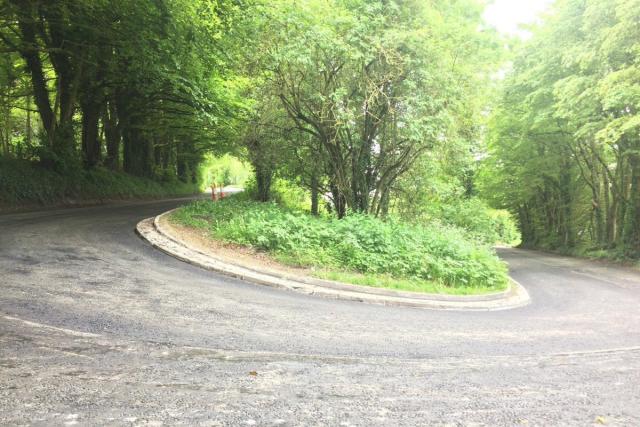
column 358, row 243
column 482, row 223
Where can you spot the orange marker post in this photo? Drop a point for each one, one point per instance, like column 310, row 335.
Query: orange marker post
column 214, row 196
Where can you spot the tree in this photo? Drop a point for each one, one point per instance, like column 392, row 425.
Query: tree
column 374, row 87
column 145, row 80
column 566, row 132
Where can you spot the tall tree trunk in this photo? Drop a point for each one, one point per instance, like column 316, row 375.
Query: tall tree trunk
column 597, row 206
column 112, row 136
column 137, row 149
column 607, row 207
column 5, row 142
column 137, row 153
column 566, row 206
column 315, row 193
column 186, row 164
column 632, row 230
column 384, row 202
column 264, row 176
column 172, row 160
column 45, row 29
column 182, row 168
column 91, row 147
column 359, row 184
column 28, row 127
column 339, row 201
column 624, row 200
column 527, row 228
column 38, row 80
column 4, row 134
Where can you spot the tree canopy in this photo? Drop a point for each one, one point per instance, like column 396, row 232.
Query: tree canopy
column 143, row 86
column 565, row 138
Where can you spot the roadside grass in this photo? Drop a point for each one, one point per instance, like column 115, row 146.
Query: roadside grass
column 614, row 256
column 358, row 249
column 23, row 183
column 411, row 285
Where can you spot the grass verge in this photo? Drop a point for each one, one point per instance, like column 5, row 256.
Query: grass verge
column 358, row 249
column 25, row 184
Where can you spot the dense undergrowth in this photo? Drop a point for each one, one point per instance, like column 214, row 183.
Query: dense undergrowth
column 479, row 221
column 23, row 183
column 419, row 257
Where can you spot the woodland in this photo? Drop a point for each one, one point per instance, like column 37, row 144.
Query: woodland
column 407, row 111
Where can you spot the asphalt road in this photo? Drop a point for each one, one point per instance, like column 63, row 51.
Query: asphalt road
column 98, row 328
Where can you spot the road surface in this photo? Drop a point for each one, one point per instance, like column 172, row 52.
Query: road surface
column 98, row 328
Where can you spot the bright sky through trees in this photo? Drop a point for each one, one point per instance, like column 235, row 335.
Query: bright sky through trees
column 508, row 15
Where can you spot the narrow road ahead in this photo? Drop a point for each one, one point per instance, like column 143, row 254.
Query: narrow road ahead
column 97, row 327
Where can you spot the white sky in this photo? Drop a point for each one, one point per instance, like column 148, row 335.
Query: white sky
column 508, row 15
